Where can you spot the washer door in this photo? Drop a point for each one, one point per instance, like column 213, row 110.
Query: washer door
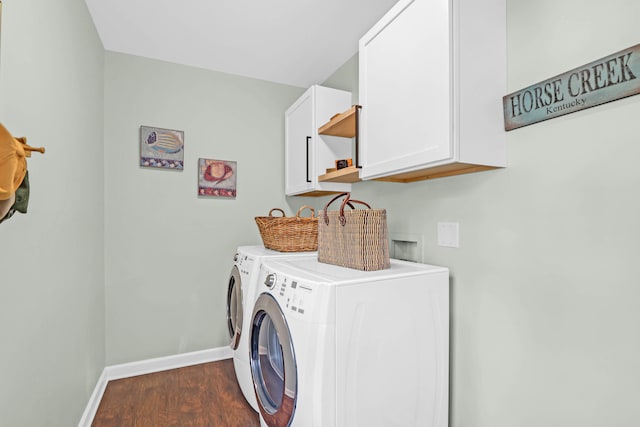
column 234, row 307
column 273, row 363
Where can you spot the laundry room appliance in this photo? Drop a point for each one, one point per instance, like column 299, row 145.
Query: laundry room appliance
column 240, row 298
column 337, row 347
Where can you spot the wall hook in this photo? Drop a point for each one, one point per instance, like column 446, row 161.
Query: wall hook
column 27, row 148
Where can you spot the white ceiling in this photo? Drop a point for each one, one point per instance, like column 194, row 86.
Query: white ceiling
column 295, row 42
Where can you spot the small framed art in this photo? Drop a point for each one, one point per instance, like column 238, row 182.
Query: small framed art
column 217, row 178
column 0, row 21
column 161, row 148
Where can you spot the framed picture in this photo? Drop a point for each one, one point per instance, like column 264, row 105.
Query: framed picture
column 217, row 178
column 161, row 148
column 0, row 24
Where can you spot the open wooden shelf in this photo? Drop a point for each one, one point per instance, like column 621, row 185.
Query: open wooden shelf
column 349, row 174
column 343, row 124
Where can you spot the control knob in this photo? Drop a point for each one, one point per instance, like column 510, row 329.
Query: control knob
column 270, row 280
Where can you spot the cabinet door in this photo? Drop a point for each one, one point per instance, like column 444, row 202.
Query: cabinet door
column 299, row 131
column 405, row 89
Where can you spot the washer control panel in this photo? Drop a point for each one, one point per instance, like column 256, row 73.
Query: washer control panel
column 244, row 264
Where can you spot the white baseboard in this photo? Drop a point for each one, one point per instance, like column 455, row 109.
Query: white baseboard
column 126, row 370
column 94, row 401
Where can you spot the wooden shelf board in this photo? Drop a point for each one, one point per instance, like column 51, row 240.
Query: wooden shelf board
column 317, row 193
column 343, row 124
column 350, row 175
column 437, row 172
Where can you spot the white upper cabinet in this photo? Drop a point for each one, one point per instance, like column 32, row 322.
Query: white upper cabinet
column 432, row 77
column 308, row 154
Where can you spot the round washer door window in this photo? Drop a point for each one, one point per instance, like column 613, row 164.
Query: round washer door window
column 234, row 308
column 273, row 365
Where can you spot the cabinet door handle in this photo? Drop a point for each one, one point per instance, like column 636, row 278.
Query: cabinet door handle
column 308, row 141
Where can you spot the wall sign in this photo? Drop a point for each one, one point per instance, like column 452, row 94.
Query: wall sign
column 608, row 79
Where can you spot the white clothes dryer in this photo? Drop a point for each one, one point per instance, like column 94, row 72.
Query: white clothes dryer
column 240, row 298
column 337, row 347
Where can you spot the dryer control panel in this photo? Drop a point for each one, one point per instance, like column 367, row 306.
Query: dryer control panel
column 292, row 295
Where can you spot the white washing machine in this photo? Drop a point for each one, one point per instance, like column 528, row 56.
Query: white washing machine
column 337, row 347
column 240, row 298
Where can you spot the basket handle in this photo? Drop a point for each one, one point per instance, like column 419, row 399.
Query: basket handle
column 326, row 207
column 277, row 209
column 346, row 202
column 313, row 212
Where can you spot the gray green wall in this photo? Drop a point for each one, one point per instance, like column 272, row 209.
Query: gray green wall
column 544, row 286
column 169, row 252
column 51, row 259
column 544, row 323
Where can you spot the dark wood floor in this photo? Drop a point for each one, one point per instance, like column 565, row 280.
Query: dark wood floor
column 205, row 395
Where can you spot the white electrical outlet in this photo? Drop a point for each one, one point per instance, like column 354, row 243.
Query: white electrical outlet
column 448, row 234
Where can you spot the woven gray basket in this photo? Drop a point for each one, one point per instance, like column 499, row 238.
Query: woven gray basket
column 355, row 238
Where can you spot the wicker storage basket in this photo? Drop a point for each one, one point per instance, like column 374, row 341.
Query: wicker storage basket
column 355, row 238
column 289, row 234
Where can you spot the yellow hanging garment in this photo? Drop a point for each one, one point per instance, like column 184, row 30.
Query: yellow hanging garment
column 13, row 163
column 14, row 177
